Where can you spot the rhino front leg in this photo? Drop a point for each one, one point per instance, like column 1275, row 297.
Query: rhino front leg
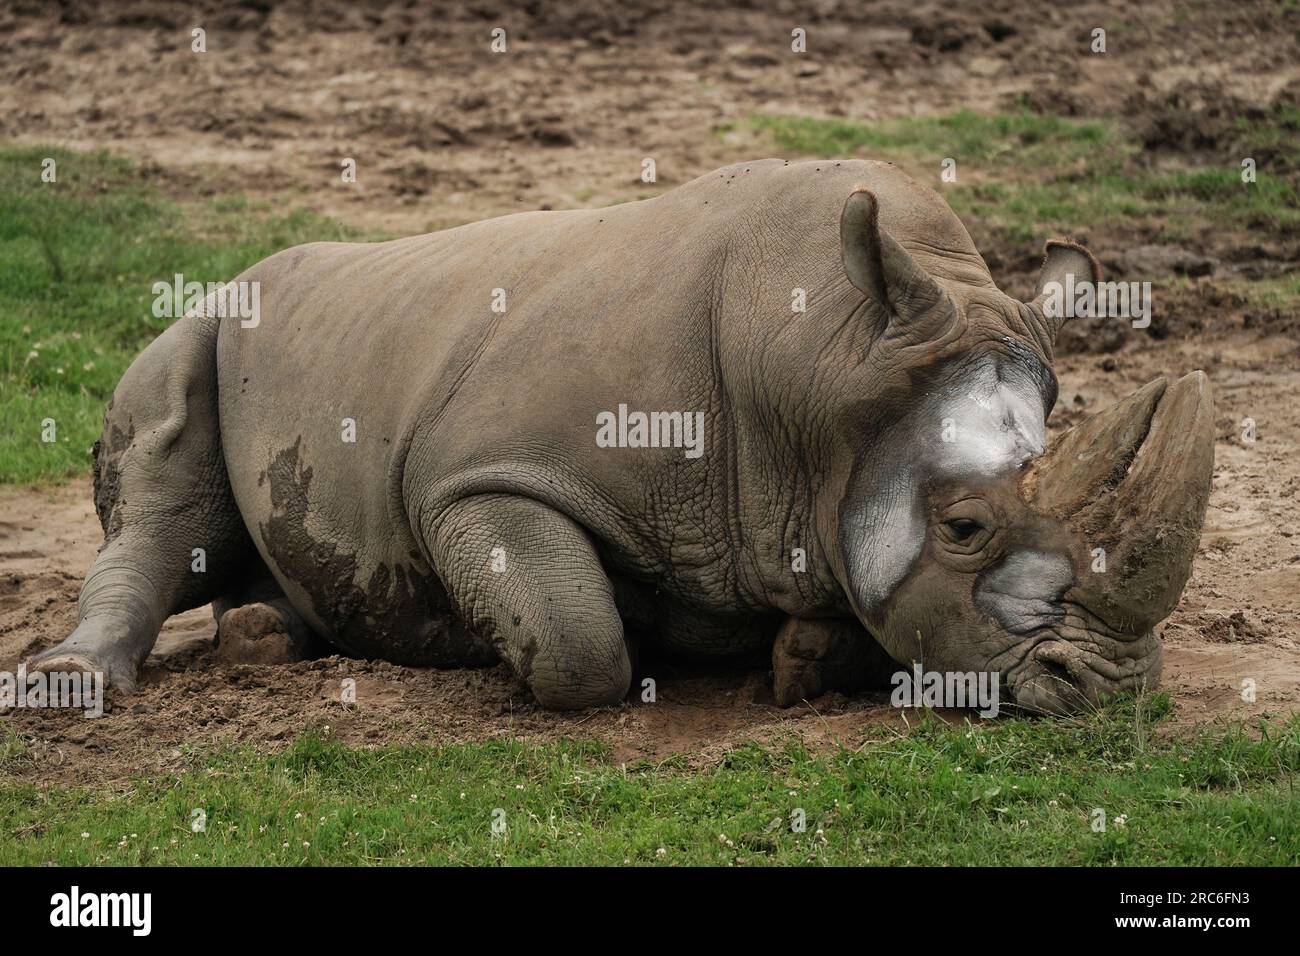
column 814, row 655
column 529, row 579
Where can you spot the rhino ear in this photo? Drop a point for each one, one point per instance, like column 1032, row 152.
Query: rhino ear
column 1063, row 262
column 878, row 266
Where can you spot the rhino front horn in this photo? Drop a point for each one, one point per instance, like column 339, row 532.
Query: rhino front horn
column 1134, row 481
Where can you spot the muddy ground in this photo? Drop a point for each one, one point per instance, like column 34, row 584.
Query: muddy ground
column 444, row 132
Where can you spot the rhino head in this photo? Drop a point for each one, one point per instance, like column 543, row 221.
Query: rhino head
column 963, row 541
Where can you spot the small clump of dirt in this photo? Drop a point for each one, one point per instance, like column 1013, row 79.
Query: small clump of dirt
column 1233, row 628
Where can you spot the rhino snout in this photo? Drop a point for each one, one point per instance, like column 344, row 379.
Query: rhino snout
column 1065, row 677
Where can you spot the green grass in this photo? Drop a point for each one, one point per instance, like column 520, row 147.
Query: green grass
column 1280, row 292
column 1032, row 175
column 12, row 749
column 78, row 259
column 1013, row 791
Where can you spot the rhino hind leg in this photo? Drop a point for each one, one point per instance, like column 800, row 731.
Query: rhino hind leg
column 257, row 624
column 173, row 536
column 815, row 655
column 264, row 632
column 529, row 579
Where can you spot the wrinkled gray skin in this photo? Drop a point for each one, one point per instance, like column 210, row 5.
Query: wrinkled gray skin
column 475, row 517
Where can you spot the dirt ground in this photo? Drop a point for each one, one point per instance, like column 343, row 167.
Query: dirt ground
column 445, row 132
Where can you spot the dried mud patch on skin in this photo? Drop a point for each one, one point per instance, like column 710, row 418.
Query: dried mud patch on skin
column 106, row 454
column 400, row 613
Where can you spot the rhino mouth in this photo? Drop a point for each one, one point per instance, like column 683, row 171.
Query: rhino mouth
column 1071, row 666
column 1131, row 485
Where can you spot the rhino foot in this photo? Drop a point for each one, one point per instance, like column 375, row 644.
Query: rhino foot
column 262, row 633
column 813, row 656
column 94, row 647
column 795, row 677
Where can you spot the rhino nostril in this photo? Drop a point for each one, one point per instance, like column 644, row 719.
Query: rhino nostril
column 1057, row 671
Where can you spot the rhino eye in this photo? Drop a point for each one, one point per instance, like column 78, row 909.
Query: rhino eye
column 966, row 527
column 963, row 529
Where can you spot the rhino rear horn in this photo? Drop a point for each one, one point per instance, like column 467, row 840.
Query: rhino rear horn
column 1063, row 262
column 879, row 267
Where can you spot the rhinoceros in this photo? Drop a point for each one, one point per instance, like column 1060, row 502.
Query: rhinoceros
column 781, row 406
